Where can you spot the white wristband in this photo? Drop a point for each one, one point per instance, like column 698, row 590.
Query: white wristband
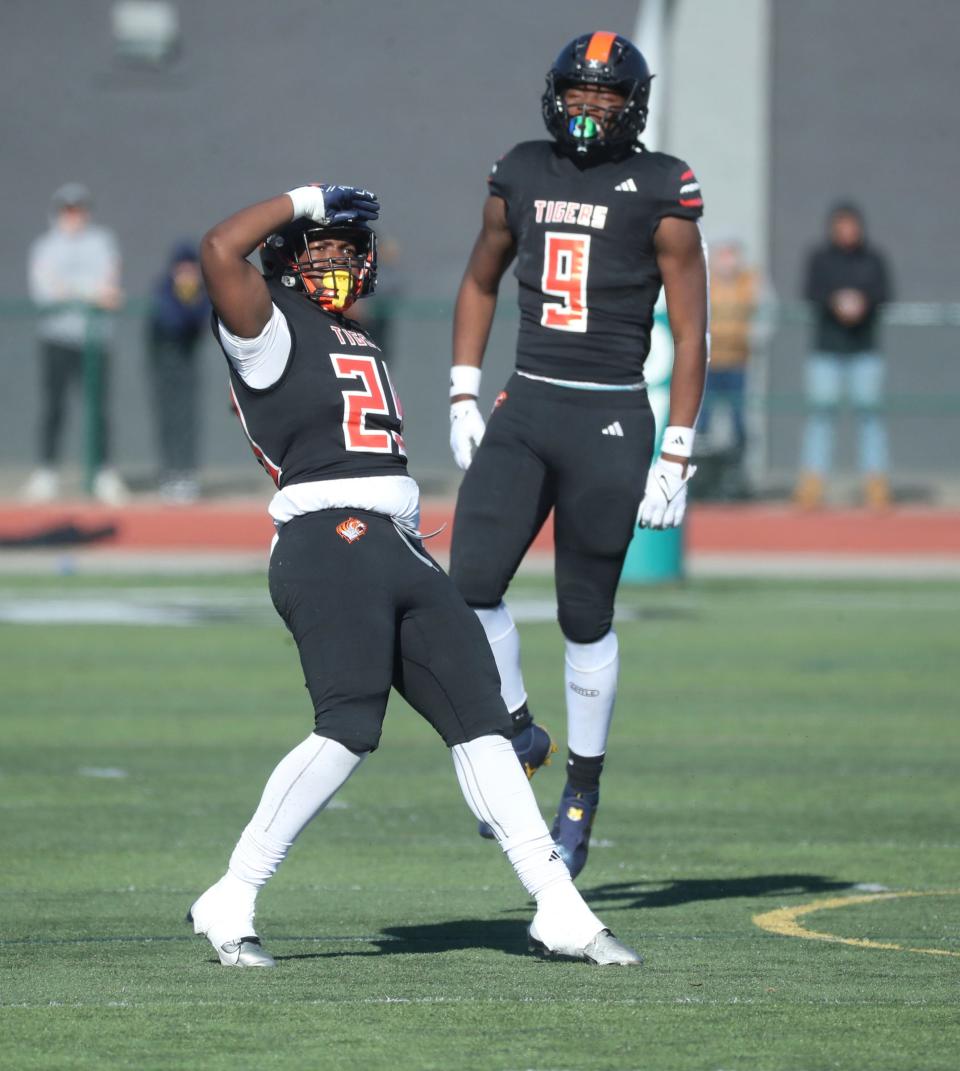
column 307, row 200
column 464, row 379
column 678, row 441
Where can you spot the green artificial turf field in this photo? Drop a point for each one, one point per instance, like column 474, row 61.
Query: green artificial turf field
column 776, row 745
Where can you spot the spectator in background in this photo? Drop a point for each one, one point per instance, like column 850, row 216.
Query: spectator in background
column 847, row 282
column 179, row 312
column 734, row 295
column 74, row 279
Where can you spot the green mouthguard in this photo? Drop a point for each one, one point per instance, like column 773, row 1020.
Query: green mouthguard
column 582, row 126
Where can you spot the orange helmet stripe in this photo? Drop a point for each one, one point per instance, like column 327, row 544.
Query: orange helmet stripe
column 600, row 45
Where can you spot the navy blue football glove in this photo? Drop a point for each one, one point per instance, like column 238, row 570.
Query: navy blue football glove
column 349, row 204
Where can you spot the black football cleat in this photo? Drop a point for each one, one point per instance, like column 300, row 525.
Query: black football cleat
column 573, row 825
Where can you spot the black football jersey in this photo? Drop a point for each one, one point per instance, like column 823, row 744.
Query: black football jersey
column 586, row 263
column 334, row 413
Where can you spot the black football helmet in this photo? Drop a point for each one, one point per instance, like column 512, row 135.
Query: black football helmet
column 608, row 60
column 335, row 283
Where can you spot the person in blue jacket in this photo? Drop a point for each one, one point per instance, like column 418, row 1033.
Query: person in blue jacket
column 179, row 315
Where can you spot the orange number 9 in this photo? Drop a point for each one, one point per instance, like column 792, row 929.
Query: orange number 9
column 566, row 260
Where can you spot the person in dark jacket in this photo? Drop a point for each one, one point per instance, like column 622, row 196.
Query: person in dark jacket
column 847, row 283
column 179, row 313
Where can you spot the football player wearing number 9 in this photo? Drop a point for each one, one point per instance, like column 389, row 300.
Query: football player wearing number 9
column 596, row 224
column 367, row 605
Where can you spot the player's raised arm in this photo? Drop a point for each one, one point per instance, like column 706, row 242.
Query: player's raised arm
column 492, row 254
column 679, row 250
column 237, row 289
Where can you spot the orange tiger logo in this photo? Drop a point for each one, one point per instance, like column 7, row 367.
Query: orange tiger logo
column 351, row 529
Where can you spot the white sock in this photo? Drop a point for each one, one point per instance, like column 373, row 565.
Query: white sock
column 591, row 689
column 302, row 784
column 497, row 791
column 504, row 641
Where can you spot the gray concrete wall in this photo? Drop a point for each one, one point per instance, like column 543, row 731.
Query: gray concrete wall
column 415, row 98
column 412, row 98
column 718, row 92
column 863, row 106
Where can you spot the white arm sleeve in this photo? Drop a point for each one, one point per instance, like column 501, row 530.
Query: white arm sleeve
column 259, row 361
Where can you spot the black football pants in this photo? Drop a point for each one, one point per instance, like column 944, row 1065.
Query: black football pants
column 584, row 454
column 373, row 610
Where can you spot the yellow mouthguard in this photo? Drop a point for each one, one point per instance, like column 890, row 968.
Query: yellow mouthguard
column 338, row 284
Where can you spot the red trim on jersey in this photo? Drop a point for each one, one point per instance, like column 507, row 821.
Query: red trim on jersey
column 600, row 45
column 693, row 202
column 687, row 175
column 272, row 470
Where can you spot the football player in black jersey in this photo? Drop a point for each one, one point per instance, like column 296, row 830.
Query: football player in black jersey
column 367, row 605
column 596, row 225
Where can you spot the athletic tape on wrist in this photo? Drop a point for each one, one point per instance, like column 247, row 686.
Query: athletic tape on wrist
column 464, row 379
column 297, row 196
column 678, row 441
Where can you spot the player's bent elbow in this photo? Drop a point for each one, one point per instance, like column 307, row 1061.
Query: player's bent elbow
column 212, row 246
column 218, row 258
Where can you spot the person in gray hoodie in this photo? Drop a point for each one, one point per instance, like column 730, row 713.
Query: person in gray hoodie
column 74, row 280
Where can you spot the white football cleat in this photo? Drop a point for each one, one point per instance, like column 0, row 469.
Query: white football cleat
column 603, row 949
column 109, row 488
column 43, row 486
column 233, row 937
column 245, row 953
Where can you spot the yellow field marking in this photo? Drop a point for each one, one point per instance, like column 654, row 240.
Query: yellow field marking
column 784, row 921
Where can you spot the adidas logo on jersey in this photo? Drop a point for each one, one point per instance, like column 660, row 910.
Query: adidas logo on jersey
column 627, row 186
column 613, row 429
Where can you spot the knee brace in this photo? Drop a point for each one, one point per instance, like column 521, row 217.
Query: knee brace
column 584, row 619
column 478, row 582
column 356, row 729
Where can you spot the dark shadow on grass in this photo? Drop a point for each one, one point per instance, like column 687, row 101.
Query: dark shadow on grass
column 504, row 935
column 636, row 894
column 457, row 935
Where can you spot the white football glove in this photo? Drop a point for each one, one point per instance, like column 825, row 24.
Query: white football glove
column 334, row 204
column 466, row 431
column 665, row 498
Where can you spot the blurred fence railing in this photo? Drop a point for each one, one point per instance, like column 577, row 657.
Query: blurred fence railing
column 922, row 400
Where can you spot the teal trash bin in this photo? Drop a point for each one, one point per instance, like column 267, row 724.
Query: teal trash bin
column 654, row 557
